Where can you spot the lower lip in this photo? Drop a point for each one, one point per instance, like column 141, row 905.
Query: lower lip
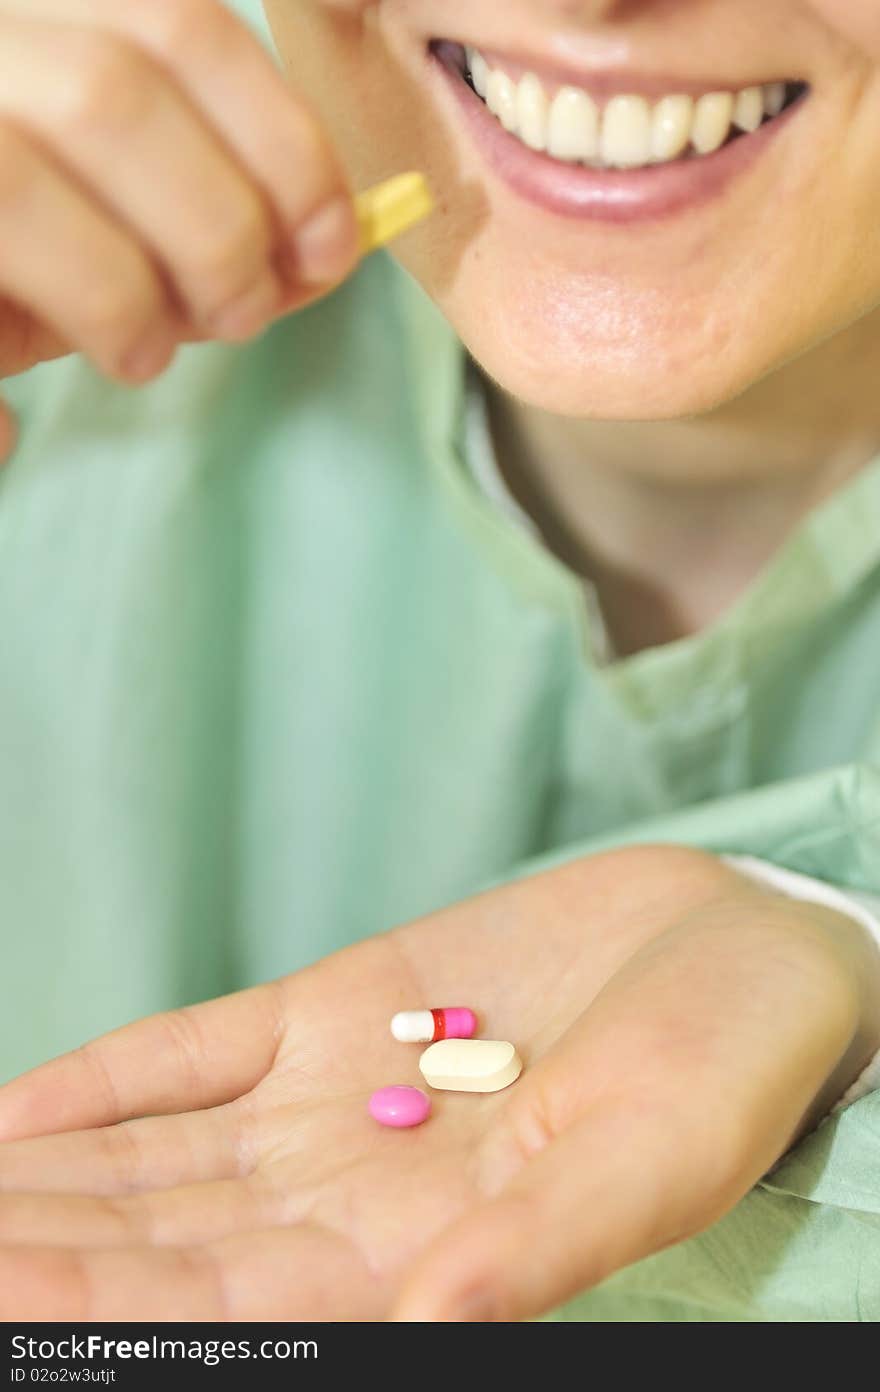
column 576, row 191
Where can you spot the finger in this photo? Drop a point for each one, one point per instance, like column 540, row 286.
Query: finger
column 81, row 274
column 190, row 1213
column 110, row 115
column 199, row 1056
column 231, row 79
column 153, row 1153
column 306, row 1272
column 25, row 341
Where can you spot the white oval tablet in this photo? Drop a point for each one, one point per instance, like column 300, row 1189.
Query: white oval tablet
column 470, row 1065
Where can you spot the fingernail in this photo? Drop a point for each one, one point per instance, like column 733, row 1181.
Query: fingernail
column 326, row 245
column 249, row 314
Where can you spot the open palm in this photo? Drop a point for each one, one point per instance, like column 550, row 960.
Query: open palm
column 224, row 1164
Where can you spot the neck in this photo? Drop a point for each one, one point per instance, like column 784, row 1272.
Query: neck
column 671, row 520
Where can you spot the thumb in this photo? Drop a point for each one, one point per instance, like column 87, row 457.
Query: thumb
column 586, row 1205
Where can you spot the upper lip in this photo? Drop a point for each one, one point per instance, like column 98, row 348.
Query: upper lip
column 610, row 81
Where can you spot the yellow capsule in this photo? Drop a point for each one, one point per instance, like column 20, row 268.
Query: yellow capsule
column 392, row 207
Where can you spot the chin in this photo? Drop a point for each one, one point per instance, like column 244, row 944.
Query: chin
column 587, row 351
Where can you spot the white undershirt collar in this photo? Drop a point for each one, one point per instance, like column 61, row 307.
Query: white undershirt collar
column 480, row 459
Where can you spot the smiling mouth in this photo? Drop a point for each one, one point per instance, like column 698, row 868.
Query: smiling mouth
column 642, row 122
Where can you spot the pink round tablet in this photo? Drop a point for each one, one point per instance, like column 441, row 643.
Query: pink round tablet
column 400, row 1106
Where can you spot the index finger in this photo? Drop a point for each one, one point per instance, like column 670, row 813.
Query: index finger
column 200, row 1056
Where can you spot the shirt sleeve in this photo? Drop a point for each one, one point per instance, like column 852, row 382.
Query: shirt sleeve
column 863, row 907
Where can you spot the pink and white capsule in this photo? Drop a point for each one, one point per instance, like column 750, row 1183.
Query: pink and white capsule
column 427, row 1026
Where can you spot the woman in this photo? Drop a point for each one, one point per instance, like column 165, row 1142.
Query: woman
column 318, row 637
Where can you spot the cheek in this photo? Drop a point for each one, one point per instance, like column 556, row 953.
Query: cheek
column 611, row 323
column 357, row 75
column 857, row 21
column 674, row 321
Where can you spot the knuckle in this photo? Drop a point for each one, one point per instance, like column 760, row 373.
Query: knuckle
column 231, row 260
column 177, row 25
column 139, row 1219
column 106, row 84
column 121, row 1150
column 186, row 1042
column 117, row 315
column 97, row 1075
column 130, row 1217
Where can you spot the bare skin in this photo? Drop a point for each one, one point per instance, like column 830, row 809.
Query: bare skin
column 672, row 521
column 255, row 1185
column 681, row 1028
column 668, row 401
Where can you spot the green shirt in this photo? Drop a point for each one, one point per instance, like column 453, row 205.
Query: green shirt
column 275, row 675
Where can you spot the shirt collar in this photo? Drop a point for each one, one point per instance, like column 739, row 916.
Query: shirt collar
column 480, row 458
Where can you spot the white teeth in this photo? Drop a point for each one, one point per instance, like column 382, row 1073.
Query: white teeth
column 712, row 115
column 774, row 97
column 479, row 70
column 671, row 127
column 573, row 127
column 629, row 132
column 626, row 132
column 532, row 111
column 501, row 98
column 748, row 109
